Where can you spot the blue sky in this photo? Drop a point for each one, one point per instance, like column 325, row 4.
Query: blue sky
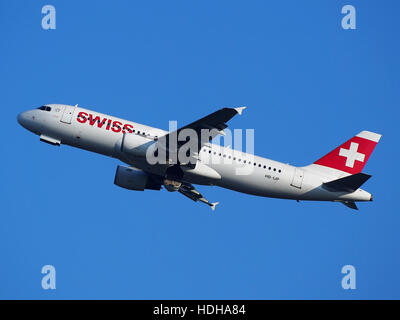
column 309, row 85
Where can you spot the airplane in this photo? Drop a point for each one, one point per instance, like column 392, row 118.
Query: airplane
column 335, row 177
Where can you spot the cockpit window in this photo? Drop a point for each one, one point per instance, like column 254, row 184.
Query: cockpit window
column 45, row 108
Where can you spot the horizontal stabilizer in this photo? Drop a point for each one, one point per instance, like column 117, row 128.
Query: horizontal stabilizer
column 347, row 184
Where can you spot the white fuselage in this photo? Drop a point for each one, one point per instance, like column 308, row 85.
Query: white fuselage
column 217, row 166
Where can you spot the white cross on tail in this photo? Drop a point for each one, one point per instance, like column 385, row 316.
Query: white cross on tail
column 352, row 155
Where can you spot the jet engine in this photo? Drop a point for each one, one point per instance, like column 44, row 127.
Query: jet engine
column 129, row 178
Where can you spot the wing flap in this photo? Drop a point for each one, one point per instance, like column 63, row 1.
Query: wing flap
column 189, row 191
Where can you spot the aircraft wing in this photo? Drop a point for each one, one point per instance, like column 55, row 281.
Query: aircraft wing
column 189, row 191
column 214, row 122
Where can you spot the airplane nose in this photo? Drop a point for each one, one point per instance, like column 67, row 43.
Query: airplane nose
column 22, row 119
column 19, row 119
column 29, row 121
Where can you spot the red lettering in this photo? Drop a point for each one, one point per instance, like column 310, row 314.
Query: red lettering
column 101, row 123
column 108, row 124
column 128, row 128
column 97, row 119
column 116, row 126
column 93, row 121
column 82, row 117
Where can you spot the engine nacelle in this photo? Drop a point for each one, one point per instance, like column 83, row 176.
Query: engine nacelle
column 128, row 178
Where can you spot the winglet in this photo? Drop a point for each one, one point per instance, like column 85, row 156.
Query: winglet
column 213, row 205
column 240, row 110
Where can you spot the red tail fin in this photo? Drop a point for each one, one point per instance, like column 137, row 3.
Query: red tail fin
column 352, row 155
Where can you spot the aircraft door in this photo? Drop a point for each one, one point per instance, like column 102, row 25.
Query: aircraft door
column 67, row 114
column 297, row 178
